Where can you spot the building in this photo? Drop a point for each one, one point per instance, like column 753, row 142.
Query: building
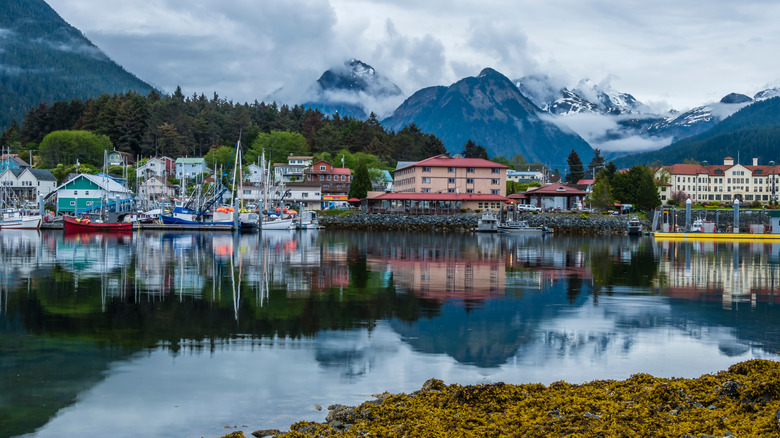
column 525, row 176
column 156, row 189
column 444, row 174
column 253, row 173
column 26, row 183
column 443, row 184
column 162, row 167
column 293, row 171
column 723, row 183
column 118, row 158
column 334, row 183
column 190, row 167
column 555, row 196
column 307, row 194
column 12, row 161
column 91, row 192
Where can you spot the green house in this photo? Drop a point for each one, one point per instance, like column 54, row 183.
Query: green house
column 86, row 193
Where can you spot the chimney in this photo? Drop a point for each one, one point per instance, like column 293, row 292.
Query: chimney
column 728, row 161
column 755, row 161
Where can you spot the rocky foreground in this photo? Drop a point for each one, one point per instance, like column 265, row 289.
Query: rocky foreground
column 561, row 223
column 741, row 402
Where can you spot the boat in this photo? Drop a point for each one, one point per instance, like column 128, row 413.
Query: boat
column 488, row 223
column 521, row 227
column 13, row 219
column 78, row 224
column 634, row 226
column 277, row 224
column 308, row 221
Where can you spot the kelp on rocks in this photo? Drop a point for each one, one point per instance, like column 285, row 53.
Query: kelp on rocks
column 743, row 401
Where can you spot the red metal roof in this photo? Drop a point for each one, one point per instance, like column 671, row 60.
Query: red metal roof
column 447, row 161
column 341, row 171
column 400, row 196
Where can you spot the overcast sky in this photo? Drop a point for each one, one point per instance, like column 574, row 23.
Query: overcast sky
column 666, row 53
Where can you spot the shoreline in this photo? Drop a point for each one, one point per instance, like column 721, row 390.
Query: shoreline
column 562, row 223
column 743, row 401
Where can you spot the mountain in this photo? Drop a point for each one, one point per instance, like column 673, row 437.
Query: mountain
column 753, row 131
column 44, row 59
column 490, row 110
column 354, row 89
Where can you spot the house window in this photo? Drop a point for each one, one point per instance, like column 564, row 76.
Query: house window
column 72, row 202
column 451, row 169
column 494, row 192
column 322, row 167
column 494, row 181
column 470, row 169
column 450, row 190
column 304, row 195
column 426, row 168
column 343, row 177
column 426, row 180
column 496, row 170
column 87, row 192
column 426, row 190
column 327, row 177
column 469, row 190
column 469, row 180
column 450, row 180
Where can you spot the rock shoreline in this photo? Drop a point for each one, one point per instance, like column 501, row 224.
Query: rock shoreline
column 561, row 223
column 743, row 401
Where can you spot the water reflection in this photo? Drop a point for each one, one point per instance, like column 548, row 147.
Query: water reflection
column 286, row 319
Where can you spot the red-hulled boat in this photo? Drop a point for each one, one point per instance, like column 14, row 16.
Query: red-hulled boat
column 77, row 224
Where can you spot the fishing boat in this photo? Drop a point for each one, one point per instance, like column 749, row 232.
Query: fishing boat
column 521, row 227
column 19, row 220
column 308, row 220
column 634, row 226
column 488, row 223
column 87, row 225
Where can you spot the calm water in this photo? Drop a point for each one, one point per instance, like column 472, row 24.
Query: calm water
column 162, row 334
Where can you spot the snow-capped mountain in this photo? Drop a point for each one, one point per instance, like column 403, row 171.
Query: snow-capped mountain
column 586, row 97
column 354, row 89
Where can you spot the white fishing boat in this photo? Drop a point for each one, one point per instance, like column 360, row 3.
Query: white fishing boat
column 521, row 227
column 308, row 220
column 488, row 223
column 19, row 220
column 634, row 226
column 277, row 224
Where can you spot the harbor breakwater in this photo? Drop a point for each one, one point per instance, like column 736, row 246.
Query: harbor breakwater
column 561, row 223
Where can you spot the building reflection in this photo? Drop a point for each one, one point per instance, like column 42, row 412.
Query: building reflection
column 730, row 272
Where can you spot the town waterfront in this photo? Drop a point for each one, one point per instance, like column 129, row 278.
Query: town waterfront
column 201, row 334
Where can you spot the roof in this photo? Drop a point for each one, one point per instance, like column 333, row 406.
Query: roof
column 445, row 160
column 42, row 174
column 554, row 190
column 586, row 182
column 441, row 197
column 190, row 160
column 341, row 171
column 402, row 164
column 103, row 182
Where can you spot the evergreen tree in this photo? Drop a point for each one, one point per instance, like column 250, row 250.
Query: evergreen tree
column 601, row 195
column 361, row 183
column 576, row 169
column 473, row 150
column 596, row 164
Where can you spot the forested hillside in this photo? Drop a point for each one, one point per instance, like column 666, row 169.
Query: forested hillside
column 753, row 131
column 179, row 126
column 44, row 59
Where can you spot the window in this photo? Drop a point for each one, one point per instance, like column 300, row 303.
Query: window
column 87, row 192
column 72, row 202
column 469, row 190
column 426, row 190
column 494, row 192
column 450, row 180
column 469, row 180
column 496, row 170
column 327, row 177
column 426, row 168
column 426, row 180
column 470, row 170
column 450, row 190
column 494, row 181
column 304, row 195
column 75, row 193
column 322, row 167
column 451, row 169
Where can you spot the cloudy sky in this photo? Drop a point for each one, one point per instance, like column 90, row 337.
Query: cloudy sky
column 666, row 53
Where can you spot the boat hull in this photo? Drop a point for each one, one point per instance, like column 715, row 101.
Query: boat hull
column 25, row 223
column 73, row 224
column 172, row 220
column 281, row 224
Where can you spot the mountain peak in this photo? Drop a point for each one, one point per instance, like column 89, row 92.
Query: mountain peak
column 735, row 98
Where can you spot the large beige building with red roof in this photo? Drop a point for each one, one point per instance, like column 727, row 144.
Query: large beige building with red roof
column 444, row 182
column 723, row 183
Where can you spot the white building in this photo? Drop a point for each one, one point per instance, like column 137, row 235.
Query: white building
column 27, row 183
column 190, row 167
